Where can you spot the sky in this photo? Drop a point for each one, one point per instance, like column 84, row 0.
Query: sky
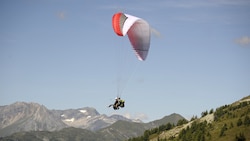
column 64, row 54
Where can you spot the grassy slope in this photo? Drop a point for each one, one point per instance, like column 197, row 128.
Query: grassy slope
column 230, row 118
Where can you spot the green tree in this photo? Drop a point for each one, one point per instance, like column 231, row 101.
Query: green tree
column 196, row 132
column 211, row 111
column 193, row 118
column 209, row 135
column 204, row 113
column 181, row 122
column 223, row 129
column 239, row 122
column 146, row 135
column 247, row 120
column 162, row 128
column 241, row 137
column 231, row 125
column 218, row 113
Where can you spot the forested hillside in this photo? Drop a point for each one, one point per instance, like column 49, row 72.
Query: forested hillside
column 226, row 123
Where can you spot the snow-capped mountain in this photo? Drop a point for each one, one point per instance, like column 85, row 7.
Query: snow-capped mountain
column 22, row 116
column 86, row 118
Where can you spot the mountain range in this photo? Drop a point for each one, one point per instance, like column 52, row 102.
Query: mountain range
column 33, row 118
column 34, row 122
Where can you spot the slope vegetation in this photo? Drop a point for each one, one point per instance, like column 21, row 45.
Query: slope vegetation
column 227, row 123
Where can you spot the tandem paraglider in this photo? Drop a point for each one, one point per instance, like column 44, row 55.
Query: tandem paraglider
column 139, row 35
column 118, row 103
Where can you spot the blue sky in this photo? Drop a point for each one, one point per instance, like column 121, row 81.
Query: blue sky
column 64, row 54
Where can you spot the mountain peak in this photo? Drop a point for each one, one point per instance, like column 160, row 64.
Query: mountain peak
column 22, row 116
column 172, row 118
column 25, row 104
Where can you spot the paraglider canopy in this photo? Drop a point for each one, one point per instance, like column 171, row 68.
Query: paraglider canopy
column 138, row 31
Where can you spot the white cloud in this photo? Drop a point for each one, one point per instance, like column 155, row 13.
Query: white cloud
column 127, row 115
column 140, row 116
column 244, row 41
